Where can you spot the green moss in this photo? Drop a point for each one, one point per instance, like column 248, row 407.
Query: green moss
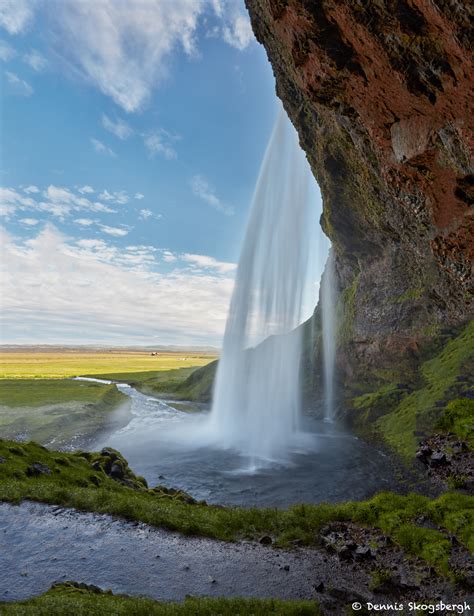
column 75, row 483
column 458, row 417
column 383, row 396
column 77, row 599
column 197, row 384
column 409, row 295
column 418, row 411
column 346, row 309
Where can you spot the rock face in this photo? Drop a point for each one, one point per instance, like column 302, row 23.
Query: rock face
column 380, row 92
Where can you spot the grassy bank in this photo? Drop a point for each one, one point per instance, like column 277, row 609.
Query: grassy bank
column 70, row 598
column 59, row 411
column 74, row 482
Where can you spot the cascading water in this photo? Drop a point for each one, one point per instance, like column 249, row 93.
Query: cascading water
column 256, row 403
column 328, row 310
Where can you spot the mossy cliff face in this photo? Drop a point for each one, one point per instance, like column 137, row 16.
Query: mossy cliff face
column 379, row 92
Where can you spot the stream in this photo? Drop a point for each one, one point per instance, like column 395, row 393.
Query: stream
column 165, row 445
column 42, row 544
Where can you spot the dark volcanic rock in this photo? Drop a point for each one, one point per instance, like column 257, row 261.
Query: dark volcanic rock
column 37, row 469
column 381, row 94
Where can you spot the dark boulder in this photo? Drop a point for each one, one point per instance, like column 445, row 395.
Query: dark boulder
column 37, row 469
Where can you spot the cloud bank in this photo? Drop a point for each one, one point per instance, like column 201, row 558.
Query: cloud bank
column 61, row 290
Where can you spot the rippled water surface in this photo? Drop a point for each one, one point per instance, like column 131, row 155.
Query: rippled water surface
column 168, row 446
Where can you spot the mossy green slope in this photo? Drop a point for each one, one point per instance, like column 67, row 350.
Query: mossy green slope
column 441, row 400
column 71, row 599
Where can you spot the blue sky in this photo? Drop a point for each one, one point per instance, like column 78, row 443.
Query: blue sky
column 132, row 134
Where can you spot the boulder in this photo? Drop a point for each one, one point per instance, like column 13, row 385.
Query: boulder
column 37, row 469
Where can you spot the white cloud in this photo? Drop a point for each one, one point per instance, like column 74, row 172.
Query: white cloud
column 238, row 31
column 121, row 46
column 205, row 191
column 7, row 52
column 146, row 214
column 31, row 222
column 57, row 201
column 234, row 27
column 102, row 148
column 37, row 61
column 58, row 290
column 86, row 190
column 32, row 189
column 11, row 200
column 84, row 222
column 115, row 231
column 158, row 142
column 15, row 15
column 139, row 195
column 169, row 257
column 20, row 86
column 205, row 262
column 119, row 196
column 119, row 128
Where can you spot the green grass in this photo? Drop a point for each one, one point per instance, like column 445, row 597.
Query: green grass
column 71, row 599
column 39, row 392
column 196, row 385
column 65, row 364
column 181, row 383
column 74, row 483
column 458, row 417
column 54, row 410
column 416, row 410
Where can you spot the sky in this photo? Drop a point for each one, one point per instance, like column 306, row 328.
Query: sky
column 132, row 135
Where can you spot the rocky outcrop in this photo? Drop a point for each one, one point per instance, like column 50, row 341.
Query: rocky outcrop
column 380, row 92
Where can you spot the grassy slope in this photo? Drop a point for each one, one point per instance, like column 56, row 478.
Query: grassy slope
column 39, row 392
column 434, row 404
column 74, row 483
column 67, row 364
column 195, row 385
column 70, row 599
column 56, row 409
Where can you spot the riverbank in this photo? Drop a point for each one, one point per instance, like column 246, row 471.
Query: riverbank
column 89, row 600
column 60, row 413
column 88, row 482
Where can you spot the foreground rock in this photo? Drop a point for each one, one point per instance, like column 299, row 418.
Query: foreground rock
column 448, row 460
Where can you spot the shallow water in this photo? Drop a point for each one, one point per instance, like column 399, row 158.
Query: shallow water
column 168, row 447
column 41, row 545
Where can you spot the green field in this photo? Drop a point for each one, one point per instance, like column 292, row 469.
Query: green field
column 64, row 364
column 59, row 412
column 40, row 401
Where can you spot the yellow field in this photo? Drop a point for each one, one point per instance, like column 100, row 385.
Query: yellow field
column 28, row 365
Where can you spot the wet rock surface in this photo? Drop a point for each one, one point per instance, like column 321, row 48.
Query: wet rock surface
column 448, row 461
column 391, row 571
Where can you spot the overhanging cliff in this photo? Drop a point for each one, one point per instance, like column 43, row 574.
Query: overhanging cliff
column 380, row 92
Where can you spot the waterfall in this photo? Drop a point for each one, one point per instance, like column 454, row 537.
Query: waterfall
column 256, row 403
column 328, row 310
